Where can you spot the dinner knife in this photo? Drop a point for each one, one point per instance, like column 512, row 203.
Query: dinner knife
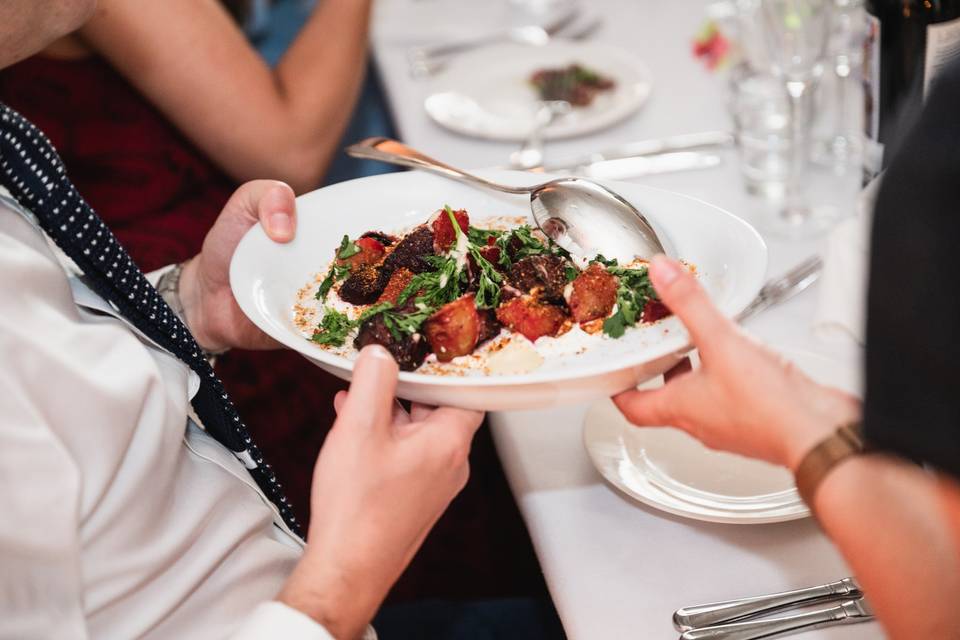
column 624, row 168
column 848, row 612
column 714, row 613
column 683, row 142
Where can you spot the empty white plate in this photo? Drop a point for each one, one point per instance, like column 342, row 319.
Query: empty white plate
column 667, row 469
column 487, row 93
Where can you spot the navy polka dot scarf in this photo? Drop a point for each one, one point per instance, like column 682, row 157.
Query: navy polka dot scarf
column 34, row 174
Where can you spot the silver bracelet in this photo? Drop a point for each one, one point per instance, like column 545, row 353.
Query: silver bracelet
column 168, row 286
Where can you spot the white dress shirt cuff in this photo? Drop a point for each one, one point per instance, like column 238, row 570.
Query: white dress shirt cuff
column 277, row 620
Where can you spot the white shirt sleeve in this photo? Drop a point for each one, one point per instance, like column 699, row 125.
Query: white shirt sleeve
column 40, row 576
column 276, row 620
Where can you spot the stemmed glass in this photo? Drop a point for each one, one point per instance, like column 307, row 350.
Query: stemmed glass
column 796, row 34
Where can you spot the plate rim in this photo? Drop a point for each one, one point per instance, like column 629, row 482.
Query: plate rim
column 676, row 342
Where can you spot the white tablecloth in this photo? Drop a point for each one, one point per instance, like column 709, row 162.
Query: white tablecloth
column 617, row 569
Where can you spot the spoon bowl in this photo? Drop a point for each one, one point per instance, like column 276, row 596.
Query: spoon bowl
column 583, row 217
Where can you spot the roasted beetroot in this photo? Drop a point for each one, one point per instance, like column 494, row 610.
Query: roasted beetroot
column 444, row 235
column 489, row 325
column 409, row 351
column 592, row 294
column 543, row 276
column 532, row 319
column 454, row 329
column 397, row 283
column 654, row 310
column 364, row 285
column 383, row 238
column 410, row 251
column 370, row 252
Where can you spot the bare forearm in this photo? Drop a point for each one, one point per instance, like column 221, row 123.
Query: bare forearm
column 320, row 75
column 888, row 519
column 253, row 121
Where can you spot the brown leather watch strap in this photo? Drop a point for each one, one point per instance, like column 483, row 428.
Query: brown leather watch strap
column 846, row 441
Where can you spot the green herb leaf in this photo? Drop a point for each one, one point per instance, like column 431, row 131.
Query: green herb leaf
column 607, row 262
column 333, row 328
column 571, row 272
column 347, row 248
column 480, row 237
column 337, row 272
column 524, row 244
column 488, row 289
column 633, row 291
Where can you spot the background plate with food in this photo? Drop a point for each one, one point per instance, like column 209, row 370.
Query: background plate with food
column 277, row 285
column 495, row 92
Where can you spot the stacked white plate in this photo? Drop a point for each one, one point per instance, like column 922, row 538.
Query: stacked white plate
column 667, row 469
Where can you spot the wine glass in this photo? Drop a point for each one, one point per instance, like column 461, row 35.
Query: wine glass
column 796, row 34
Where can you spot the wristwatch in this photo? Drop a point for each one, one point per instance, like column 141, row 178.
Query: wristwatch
column 845, row 442
column 168, row 286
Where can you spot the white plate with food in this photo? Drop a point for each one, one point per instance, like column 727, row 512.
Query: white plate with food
column 496, row 92
column 667, row 469
column 473, row 329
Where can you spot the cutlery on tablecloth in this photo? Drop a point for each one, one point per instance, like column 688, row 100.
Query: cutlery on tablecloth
column 682, row 142
column 426, row 60
column 714, row 613
column 785, row 287
column 847, row 612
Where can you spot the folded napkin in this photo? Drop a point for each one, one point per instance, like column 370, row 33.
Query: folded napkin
column 841, row 308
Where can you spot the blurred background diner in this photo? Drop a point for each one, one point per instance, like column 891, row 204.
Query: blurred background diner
column 579, row 521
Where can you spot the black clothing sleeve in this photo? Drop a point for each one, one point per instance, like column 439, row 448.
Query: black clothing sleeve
column 912, row 404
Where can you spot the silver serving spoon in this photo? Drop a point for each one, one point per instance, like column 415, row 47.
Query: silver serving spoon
column 581, row 216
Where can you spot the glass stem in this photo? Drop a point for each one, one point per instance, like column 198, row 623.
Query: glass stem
column 797, row 93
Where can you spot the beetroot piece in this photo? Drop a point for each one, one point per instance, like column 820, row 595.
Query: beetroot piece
column 454, row 329
column 654, row 310
column 532, row 319
column 397, row 283
column 409, row 351
column 444, row 236
column 489, row 325
column 544, row 276
column 371, row 252
column 593, row 294
column 410, row 251
column 364, row 285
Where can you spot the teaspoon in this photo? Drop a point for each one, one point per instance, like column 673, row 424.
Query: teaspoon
column 583, row 217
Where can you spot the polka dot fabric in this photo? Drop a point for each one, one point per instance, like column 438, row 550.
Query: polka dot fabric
column 34, row 174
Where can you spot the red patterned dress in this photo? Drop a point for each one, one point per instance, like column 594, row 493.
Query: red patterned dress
column 160, row 195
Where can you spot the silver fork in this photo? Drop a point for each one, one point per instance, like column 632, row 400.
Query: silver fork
column 714, row 613
column 427, row 60
column 784, row 287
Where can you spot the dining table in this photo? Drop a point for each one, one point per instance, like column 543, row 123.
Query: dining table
column 615, row 568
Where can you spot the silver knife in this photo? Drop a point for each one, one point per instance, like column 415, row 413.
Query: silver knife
column 623, row 168
column 848, row 612
column 683, row 142
column 705, row 615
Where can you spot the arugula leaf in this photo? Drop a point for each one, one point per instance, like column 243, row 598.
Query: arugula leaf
column 337, row 272
column 347, row 248
column 571, row 272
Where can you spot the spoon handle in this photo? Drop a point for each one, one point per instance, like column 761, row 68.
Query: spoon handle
column 393, row 152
